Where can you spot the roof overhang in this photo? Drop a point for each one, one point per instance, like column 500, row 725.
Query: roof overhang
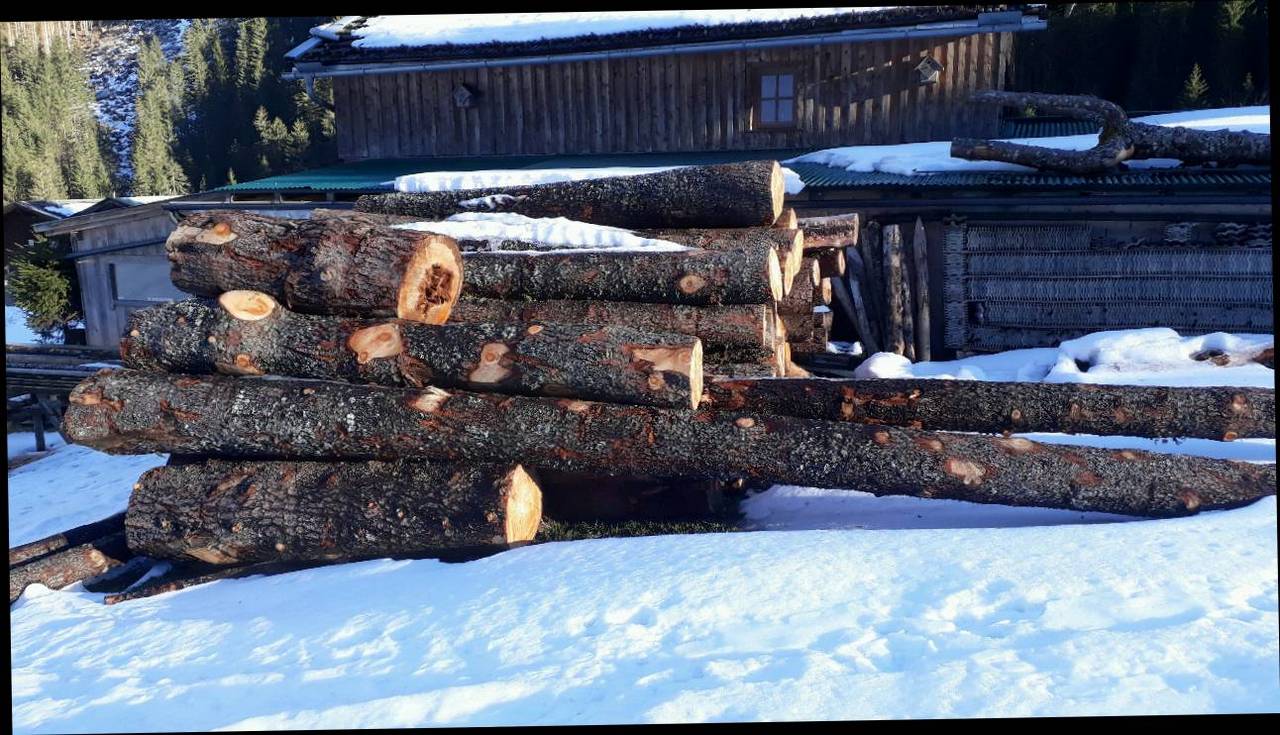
column 1010, row 21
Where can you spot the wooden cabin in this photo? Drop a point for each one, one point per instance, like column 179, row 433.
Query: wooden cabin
column 413, row 86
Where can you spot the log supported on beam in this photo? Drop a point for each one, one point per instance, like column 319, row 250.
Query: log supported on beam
column 694, row 278
column 237, row 512
column 248, row 333
column 788, row 244
column 66, row 539
column 70, row 565
column 746, row 194
column 127, row 412
column 989, row 407
column 738, row 325
column 325, row 266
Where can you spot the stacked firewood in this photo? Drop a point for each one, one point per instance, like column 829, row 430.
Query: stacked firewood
column 321, row 402
column 885, row 293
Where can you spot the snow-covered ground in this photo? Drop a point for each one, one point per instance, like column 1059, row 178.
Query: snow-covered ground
column 845, row 606
column 935, row 156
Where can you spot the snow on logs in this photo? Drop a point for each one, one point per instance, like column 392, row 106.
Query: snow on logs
column 328, row 266
column 746, row 194
column 248, row 333
column 1221, row 413
column 128, row 412
column 237, row 512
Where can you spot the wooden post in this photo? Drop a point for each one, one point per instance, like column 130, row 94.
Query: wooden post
column 873, row 294
column 892, row 280
column 856, row 273
column 920, row 251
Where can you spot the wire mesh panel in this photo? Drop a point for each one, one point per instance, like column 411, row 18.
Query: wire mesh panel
column 1013, row 286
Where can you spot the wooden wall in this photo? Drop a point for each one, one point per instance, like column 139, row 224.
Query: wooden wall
column 847, row 94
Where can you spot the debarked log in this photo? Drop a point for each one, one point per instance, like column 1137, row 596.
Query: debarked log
column 331, row 265
column 237, row 512
column 1222, row 413
column 248, row 333
column 747, row 194
column 128, row 412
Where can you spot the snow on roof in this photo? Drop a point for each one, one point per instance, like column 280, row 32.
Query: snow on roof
column 935, row 156
column 385, row 31
column 65, row 207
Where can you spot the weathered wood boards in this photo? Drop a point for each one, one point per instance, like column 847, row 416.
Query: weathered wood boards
column 237, row 512
column 248, row 333
column 992, row 407
column 326, row 266
column 746, row 194
column 130, row 412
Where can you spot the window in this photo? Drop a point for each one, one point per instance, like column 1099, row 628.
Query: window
column 776, row 106
column 142, row 279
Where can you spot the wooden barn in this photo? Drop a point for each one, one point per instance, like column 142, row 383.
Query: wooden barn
column 408, row 86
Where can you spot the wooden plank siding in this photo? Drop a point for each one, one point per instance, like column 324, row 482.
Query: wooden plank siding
column 847, row 94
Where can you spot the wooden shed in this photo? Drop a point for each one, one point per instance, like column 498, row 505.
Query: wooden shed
column 408, row 86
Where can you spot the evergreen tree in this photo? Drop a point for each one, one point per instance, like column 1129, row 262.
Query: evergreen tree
column 155, row 166
column 1195, row 89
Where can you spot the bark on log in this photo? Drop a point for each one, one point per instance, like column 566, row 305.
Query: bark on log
column 128, row 412
column 891, row 277
column 908, row 304
column 1120, row 139
column 841, row 233
column 788, row 244
column 990, row 407
column 350, row 215
column 861, row 316
column 606, row 363
column 746, row 194
column 694, row 278
column 230, row 512
column 805, row 292
column 745, row 325
column 66, row 539
column 70, row 565
column 923, row 331
column 872, row 278
column 739, row 370
column 325, row 266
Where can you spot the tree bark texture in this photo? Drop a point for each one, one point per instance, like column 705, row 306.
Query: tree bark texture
column 871, row 276
column 991, row 407
column 327, row 266
column 66, row 539
column 805, row 292
column 739, row 370
column 70, row 565
column 606, row 363
column 127, row 412
column 920, row 254
column 738, row 325
column 746, row 194
column 891, row 277
column 694, row 278
column 233, row 512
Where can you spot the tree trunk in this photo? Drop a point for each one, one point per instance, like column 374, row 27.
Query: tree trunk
column 862, row 314
column 325, row 266
column 989, row 407
column 605, row 363
column 872, row 277
column 891, row 277
column 231, row 512
column 848, row 294
column 128, row 412
column 923, row 331
column 65, row 540
column 738, row 325
column 69, row 565
column 805, row 292
column 840, row 234
column 739, row 370
column 350, row 215
column 788, row 244
column 695, row 278
column 746, row 194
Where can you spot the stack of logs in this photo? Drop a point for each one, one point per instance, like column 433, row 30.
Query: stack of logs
column 322, row 401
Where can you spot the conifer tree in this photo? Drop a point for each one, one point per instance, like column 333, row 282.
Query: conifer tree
column 1195, row 89
column 155, row 166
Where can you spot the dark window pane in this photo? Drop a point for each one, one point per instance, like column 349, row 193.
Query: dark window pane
column 784, row 109
column 143, row 279
column 768, row 111
column 786, row 82
column 769, row 85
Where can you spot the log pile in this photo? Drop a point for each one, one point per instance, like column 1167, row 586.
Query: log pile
column 339, row 389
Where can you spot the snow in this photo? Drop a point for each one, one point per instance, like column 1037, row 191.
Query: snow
column 24, row 442
column 563, row 235
column 428, row 30
column 935, row 156
column 920, row 608
column 1157, row 356
column 493, row 178
column 66, row 207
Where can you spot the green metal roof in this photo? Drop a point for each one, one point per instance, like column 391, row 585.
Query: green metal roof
column 378, row 175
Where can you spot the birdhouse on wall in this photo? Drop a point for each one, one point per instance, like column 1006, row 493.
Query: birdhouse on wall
column 463, row 96
column 928, row 70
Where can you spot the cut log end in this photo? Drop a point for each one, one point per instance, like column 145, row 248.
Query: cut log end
column 775, row 275
column 824, row 291
column 375, row 342
column 432, row 281
column 249, row 306
column 787, row 220
column 778, row 188
column 524, row 506
column 683, row 360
